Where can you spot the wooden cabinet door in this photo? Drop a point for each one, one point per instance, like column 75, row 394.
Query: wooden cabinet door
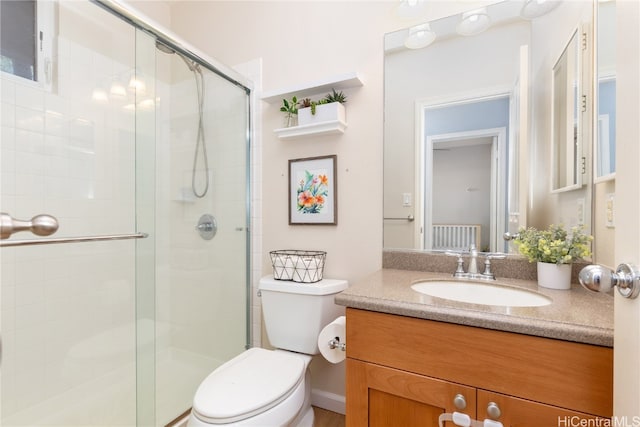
column 517, row 412
column 378, row 396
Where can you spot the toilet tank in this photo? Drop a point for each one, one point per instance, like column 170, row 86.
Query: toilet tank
column 295, row 313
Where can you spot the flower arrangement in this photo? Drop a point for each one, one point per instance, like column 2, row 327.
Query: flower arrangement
column 312, row 192
column 553, row 245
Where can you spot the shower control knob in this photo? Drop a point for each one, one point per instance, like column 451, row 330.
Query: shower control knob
column 207, row 226
column 597, row 278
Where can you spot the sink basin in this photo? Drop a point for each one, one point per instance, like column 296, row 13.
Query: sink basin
column 481, row 293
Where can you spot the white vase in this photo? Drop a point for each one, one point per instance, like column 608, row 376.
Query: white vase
column 331, row 112
column 554, row 276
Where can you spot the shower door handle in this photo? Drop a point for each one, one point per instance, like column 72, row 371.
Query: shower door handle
column 40, row 225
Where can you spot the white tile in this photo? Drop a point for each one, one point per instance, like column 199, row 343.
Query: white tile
column 7, row 91
column 30, row 163
column 30, row 97
column 57, row 104
column 7, row 185
column 29, row 119
column 7, row 114
column 56, row 124
column 26, row 140
column 30, row 186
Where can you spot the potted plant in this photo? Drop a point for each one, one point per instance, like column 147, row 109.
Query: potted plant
column 290, row 108
column 327, row 109
column 554, row 250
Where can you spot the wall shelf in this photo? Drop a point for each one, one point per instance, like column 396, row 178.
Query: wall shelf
column 333, row 127
column 339, row 82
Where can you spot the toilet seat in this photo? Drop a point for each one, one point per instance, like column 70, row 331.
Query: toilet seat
column 247, row 385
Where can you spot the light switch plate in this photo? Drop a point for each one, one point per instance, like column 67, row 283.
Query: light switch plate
column 406, row 200
column 580, row 212
column 609, row 218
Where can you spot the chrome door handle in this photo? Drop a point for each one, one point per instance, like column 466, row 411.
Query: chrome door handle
column 600, row 279
column 40, row 225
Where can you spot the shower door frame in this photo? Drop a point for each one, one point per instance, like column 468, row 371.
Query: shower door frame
column 145, row 208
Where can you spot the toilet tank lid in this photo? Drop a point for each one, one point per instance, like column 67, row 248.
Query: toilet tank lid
column 323, row 287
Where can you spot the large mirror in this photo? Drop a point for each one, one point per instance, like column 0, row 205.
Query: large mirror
column 468, row 112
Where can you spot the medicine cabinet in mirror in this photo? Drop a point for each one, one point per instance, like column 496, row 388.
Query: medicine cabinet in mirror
column 467, row 128
column 566, row 154
column 605, row 123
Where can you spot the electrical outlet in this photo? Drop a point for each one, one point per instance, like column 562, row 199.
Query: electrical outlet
column 406, row 200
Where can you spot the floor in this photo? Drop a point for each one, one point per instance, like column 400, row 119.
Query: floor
column 326, row 418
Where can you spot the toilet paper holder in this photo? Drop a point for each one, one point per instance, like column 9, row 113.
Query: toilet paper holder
column 335, row 343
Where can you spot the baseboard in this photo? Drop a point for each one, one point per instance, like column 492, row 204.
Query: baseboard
column 329, row 401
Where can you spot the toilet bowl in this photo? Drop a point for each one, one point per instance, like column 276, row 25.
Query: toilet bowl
column 268, row 388
column 257, row 388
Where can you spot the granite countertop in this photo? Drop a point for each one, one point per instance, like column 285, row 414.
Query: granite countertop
column 574, row 315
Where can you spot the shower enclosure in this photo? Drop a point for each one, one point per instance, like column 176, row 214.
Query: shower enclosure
column 140, row 149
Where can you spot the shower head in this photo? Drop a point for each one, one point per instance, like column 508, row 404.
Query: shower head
column 164, row 48
column 193, row 66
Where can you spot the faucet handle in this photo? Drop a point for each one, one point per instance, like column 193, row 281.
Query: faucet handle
column 487, row 273
column 460, row 263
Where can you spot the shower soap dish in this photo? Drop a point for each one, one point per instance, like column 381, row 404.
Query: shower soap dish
column 297, row 265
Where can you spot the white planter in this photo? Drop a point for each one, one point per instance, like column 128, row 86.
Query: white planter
column 554, row 276
column 331, row 112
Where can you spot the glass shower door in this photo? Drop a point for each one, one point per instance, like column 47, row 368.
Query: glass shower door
column 69, row 146
column 201, row 277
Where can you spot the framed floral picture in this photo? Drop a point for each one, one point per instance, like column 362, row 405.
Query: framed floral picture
column 312, row 191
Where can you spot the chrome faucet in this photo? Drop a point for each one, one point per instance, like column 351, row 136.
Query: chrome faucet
column 472, row 269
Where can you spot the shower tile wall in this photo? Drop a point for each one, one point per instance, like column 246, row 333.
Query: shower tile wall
column 67, row 311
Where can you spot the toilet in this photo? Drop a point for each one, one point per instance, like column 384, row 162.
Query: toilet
column 263, row 387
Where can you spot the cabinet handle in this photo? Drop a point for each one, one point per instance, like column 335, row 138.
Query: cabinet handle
column 460, row 402
column 493, row 410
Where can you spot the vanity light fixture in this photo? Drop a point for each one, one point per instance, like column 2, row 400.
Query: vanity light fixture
column 532, row 9
column 410, row 9
column 419, row 36
column 473, row 22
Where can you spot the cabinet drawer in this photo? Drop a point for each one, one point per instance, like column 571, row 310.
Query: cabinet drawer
column 560, row 373
column 523, row 413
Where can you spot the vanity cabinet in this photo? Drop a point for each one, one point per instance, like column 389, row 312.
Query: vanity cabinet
column 403, row 371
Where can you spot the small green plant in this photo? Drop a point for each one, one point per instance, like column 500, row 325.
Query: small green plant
column 290, row 108
column 329, row 98
column 336, row 97
column 553, row 245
